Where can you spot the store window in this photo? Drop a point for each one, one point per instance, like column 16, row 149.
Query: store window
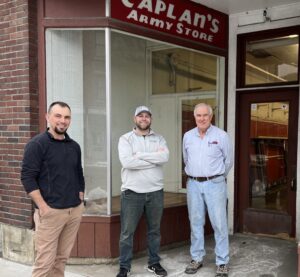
column 273, row 60
column 177, row 70
column 170, row 80
column 182, row 78
column 75, row 70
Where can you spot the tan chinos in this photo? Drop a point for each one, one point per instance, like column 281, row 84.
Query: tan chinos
column 55, row 234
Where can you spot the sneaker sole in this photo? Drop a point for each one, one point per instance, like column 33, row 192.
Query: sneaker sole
column 128, row 273
column 150, row 270
column 194, row 272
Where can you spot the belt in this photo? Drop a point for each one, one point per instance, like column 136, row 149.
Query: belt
column 203, row 179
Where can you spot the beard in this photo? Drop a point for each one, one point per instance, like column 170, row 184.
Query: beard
column 59, row 132
column 143, row 127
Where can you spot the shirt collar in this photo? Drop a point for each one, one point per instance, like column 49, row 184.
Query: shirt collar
column 151, row 132
column 207, row 131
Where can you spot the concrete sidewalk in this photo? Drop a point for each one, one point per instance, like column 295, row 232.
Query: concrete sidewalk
column 251, row 256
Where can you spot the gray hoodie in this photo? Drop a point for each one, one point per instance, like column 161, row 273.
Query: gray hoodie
column 142, row 158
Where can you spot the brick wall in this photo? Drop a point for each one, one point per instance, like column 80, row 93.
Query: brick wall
column 18, row 104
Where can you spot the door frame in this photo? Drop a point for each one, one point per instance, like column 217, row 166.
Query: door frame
column 244, row 100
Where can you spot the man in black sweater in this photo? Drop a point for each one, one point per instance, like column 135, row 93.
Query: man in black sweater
column 52, row 175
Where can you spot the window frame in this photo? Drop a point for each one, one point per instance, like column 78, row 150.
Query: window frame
column 242, row 40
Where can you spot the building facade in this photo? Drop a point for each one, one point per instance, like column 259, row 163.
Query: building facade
column 105, row 58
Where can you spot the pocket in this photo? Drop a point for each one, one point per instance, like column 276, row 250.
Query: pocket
column 213, row 151
column 188, row 183
column 47, row 215
column 82, row 206
column 128, row 192
column 130, row 195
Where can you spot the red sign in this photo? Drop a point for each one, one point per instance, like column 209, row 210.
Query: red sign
column 183, row 18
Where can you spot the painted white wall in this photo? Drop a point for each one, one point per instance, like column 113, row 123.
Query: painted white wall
column 280, row 16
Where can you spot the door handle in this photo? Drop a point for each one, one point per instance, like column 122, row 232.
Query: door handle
column 294, row 178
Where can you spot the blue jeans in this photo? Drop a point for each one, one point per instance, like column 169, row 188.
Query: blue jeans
column 133, row 205
column 210, row 195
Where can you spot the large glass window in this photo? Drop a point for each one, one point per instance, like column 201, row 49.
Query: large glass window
column 177, row 70
column 169, row 79
column 272, row 60
column 75, row 66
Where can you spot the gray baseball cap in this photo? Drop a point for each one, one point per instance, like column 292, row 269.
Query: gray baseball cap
column 142, row 109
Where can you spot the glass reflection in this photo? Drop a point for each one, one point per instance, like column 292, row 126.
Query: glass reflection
column 272, row 60
column 268, row 156
column 177, row 70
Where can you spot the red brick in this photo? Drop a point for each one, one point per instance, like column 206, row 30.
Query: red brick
column 18, row 104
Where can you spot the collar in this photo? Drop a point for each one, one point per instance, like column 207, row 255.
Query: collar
column 151, row 132
column 207, row 131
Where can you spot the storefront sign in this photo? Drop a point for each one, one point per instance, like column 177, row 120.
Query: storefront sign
column 182, row 18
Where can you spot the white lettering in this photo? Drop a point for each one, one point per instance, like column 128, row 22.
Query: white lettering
column 143, row 19
column 187, row 31
column 149, row 20
column 133, row 14
column 160, row 7
column 215, row 26
column 179, row 29
column 189, row 23
column 170, row 12
column 203, row 36
column 195, row 33
column 169, row 25
column 127, row 3
column 186, row 16
column 196, row 20
column 146, row 4
column 156, row 22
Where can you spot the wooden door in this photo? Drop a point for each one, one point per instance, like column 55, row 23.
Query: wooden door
column 266, row 161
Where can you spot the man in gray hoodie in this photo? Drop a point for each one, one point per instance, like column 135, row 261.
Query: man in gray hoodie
column 142, row 154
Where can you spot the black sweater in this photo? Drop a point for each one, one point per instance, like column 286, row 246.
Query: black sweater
column 53, row 167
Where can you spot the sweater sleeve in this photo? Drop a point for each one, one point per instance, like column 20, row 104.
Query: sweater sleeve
column 160, row 156
column 31, row 166
column 128, row 159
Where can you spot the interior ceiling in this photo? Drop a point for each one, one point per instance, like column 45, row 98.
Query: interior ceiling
column 264, row 55
column 237, row 6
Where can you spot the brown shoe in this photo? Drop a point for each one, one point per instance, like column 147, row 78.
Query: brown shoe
column 222, row 270
column 193, row 267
